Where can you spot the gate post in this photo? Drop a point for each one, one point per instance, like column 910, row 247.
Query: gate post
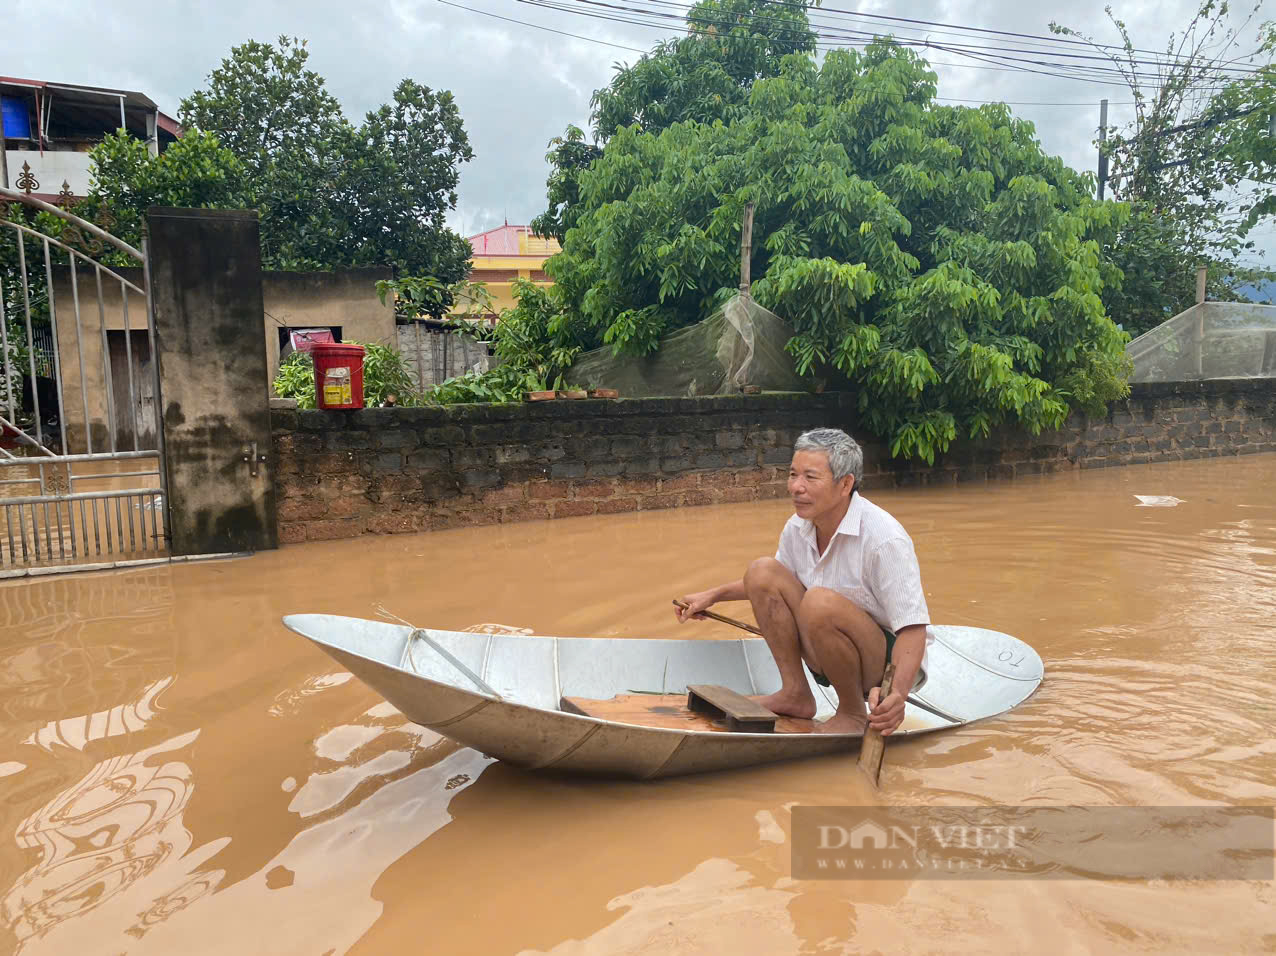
column 206, row 303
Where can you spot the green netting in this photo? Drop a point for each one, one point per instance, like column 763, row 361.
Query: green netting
column 740, row 344
column 1210, row 340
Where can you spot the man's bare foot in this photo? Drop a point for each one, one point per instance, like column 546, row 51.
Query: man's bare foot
column 841, row 723
column 800, row 704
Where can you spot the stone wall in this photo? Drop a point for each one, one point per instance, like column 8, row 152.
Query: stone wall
column 342, row 474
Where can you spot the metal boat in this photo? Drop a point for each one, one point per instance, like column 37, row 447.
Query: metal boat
column 616, row 706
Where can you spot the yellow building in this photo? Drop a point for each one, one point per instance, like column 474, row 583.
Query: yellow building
column 504, row 254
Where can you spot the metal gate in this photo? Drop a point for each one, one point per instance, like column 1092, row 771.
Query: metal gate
column 81, row 466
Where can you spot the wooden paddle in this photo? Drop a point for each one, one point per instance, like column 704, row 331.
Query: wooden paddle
column 718, row 617
column 873, row 747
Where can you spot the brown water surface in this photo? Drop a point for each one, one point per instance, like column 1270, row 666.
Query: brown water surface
column 180, row 774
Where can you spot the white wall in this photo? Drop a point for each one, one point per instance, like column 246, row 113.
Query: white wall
column 51, row 169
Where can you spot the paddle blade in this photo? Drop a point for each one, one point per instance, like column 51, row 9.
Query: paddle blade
column 873, row 746
column 872, row 749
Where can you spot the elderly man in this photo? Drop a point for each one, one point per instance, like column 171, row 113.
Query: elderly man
column 843, row 593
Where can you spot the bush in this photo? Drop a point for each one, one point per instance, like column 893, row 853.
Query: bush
column 384, row 373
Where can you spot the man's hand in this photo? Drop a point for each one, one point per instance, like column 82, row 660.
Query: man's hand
column 700, row 601
column 884, row 716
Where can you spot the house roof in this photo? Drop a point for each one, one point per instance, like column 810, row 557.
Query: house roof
column 501, row 241
column 94, row 102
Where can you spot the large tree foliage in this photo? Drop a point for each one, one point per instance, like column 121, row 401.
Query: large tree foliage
column 267, row 134
column 703, row 76
column 196, row 171
column 935, row 255
column 1197, row 163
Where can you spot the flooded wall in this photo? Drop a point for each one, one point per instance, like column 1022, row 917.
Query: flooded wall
column 343, row 474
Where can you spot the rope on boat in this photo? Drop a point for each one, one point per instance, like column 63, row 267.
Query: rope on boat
column 442, row 651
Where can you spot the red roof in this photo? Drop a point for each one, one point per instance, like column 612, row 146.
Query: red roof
column 501, row 241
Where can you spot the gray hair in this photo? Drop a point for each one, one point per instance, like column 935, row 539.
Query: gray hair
column 844, row 453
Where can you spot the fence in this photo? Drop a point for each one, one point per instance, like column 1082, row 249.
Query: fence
column 433, row 354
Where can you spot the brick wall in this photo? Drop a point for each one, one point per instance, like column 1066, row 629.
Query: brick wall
column 342, row 474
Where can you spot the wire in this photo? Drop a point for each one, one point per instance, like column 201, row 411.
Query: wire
column 839, row 43
column 924, row 40
column 537, row 26
column 950, row 99
column 1106, row 75
column 917, row 24
column 986, row 62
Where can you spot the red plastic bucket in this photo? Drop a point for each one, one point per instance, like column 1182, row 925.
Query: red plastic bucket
column 338, row 375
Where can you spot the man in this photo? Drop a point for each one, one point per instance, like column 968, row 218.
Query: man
column 843, row 593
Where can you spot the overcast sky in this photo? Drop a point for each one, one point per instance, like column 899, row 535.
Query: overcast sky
column 518, row 86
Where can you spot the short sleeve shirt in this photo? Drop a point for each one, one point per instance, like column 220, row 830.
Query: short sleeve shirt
column 869, row 560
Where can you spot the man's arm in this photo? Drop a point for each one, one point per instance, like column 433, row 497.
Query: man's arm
column 910, row 645
column 898, row 580
column 703, row 600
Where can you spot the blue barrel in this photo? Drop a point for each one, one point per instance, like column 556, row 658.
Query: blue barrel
column 17, row 117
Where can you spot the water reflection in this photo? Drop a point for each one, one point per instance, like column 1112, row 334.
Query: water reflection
column 360, row 816
column 117, row 860
column 119, row 825
column 83, row 643
column 76, row 732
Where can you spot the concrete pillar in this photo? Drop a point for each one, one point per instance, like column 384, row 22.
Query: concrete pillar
column 205, row 275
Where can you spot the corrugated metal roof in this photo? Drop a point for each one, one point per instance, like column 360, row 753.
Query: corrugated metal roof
column 501, row 241
column 74, row 92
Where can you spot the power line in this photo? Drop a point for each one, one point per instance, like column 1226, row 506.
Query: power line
column 1038, row 38
column 1072, row 72
column 625, row 14
column 537, row 26
column 986, row 64
column 948, row 31
column 948, row 99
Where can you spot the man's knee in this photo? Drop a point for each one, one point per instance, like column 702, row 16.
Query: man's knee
column 764, row 574
column 820, row 607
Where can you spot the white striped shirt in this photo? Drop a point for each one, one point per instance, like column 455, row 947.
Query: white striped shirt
column 869, row 560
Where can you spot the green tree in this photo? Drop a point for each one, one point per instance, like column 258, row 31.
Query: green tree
column 399, row 181
column 196, row 171
column 702, row 77
column 268, row 135
column 569, row 155
column 935, row 255
column 1197, row 163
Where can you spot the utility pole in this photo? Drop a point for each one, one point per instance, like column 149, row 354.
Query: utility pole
column 746, row 247
column 1103, row 138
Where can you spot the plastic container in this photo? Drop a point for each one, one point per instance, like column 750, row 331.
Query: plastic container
column 338, row 376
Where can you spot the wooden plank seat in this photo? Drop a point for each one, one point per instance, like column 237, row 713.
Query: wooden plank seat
column 669, row 711
column 738, row 712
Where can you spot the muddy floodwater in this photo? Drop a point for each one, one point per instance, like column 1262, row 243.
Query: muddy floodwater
column 180, row 774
